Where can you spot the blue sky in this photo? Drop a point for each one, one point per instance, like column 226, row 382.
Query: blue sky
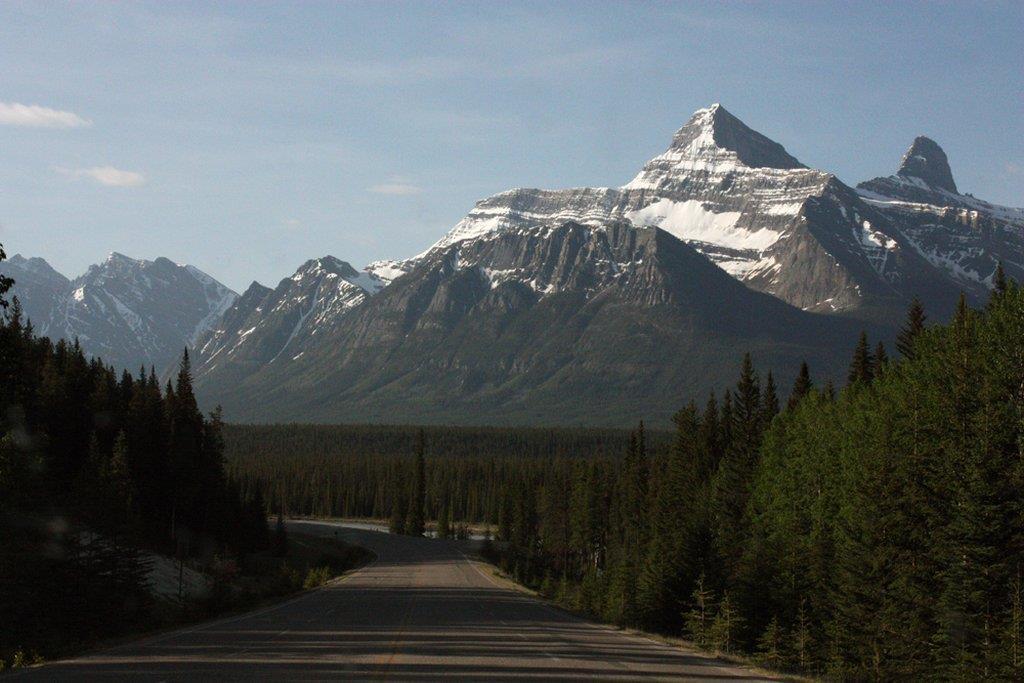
column 246, row 138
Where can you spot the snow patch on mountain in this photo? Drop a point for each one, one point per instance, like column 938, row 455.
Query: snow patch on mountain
column 387, row 271
column 691, row 221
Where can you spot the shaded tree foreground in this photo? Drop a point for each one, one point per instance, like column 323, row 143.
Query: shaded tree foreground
column 101, row 476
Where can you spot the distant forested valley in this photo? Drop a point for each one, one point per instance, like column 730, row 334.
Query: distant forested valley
column 870, row 531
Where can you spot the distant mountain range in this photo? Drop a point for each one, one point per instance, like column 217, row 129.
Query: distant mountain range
column 566, row 306
column 130, row 312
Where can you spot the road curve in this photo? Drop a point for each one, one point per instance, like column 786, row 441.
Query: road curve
column 421, row 611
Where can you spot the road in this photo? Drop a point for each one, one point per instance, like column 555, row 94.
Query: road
column 421, row 611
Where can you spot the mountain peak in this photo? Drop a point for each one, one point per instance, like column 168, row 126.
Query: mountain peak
column 713, row 141
column 34, row 264
column 926, row 161
column 716, row 126
column 255, row 289
column 329, row 264
column 117, row 258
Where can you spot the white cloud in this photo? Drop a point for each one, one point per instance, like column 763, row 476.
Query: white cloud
column 399, row 187
column 106, row 175
column 34, row 116
column 292, row 223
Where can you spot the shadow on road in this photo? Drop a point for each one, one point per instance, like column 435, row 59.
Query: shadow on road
column 421, row 611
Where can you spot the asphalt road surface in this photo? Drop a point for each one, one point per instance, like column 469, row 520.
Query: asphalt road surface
column 421, row 611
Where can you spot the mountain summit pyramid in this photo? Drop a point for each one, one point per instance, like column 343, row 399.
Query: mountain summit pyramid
column 926, row 160
column 713, row 135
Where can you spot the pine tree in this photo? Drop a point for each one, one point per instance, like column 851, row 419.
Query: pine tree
column 770, row 400
column 861, row 366
column 881, row 359
column 188, row 471
column 770, row 645
column 912, row 328
column 711, row 439
column 5, row 283
column 279, row 544
column 732, row 481
column 725, row 626
column 415, row 521
column 679, row 531
column 1014, row 639
column 701, row 614
column 444, row 521
column 829, row 390
column 801, row 387
column 399, row 504
column 999, row 282
column 801, row 637
column 629, row 544
column 117, row 476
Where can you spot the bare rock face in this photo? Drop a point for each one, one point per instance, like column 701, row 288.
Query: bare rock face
column 264, row 325
column 960, row 236
column 130, row 312
column 926, row 161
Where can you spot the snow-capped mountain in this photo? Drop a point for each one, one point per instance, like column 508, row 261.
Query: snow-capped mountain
column 745, row 203
column 962, row 236
column 130, row 312
column 266, row 325
column 629, row 294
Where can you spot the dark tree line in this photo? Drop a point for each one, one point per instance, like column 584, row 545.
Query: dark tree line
column 355, row 470
column 94, row 467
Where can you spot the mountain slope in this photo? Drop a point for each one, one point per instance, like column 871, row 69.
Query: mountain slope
column 130, row 312
column 264, row 325
column 558, row 323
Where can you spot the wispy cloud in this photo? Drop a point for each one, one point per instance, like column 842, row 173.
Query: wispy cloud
column 105, row 175
column 35, row 116
column 397, row 186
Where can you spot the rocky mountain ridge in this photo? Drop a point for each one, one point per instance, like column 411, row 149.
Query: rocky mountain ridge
column 553, row 324
column 264, row 324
